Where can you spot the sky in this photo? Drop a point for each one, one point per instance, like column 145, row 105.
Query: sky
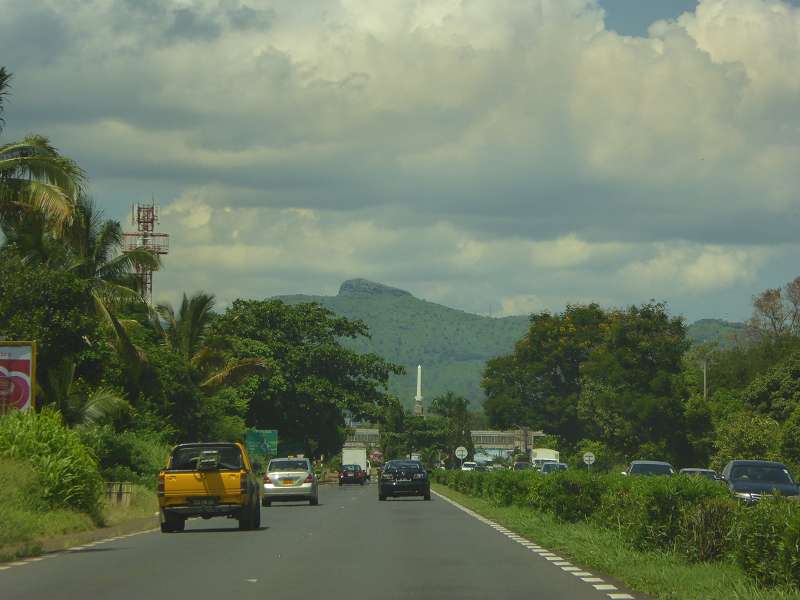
column 498, row 156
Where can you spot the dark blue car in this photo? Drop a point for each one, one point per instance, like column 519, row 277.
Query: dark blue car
column 749, row 480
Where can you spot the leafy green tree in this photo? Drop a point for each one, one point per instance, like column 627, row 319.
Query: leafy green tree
column 540, row 384
column 314, row 379
column 746, row 436
column 51, row 307
column 456, row 423
column 776, row 393
column 633, row 392
column 790, row 438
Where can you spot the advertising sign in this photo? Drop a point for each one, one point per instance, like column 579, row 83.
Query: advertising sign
column 17, row 375
column 261, row 443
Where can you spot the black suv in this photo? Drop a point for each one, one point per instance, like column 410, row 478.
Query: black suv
column 752, row 479
column 404, row 478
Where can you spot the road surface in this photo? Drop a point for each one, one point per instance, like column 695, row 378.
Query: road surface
column 349, row 547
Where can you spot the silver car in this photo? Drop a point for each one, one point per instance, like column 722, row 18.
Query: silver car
column 290, row 479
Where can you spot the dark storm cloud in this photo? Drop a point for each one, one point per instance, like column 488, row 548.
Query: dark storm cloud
column 191, row 24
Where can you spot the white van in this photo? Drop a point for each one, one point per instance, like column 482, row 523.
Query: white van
column 468, row 466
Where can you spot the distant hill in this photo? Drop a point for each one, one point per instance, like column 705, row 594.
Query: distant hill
column 724, row 332
column 451, row 345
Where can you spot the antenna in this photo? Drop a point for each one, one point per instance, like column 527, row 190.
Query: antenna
column 145, row 217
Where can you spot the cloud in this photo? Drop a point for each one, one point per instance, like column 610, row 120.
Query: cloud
column 471, row 151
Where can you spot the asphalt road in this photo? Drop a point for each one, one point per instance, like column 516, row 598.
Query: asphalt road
column 351, row 547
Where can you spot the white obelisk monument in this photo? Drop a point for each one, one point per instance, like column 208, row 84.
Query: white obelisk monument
column 418, row 410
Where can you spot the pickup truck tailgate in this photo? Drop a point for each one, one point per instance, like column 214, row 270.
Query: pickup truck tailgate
column 223, row 485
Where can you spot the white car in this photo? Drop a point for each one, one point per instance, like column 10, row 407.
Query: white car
column 468, row 466
column 290, row 479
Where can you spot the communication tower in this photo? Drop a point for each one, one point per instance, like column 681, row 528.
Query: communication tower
column 145, row 217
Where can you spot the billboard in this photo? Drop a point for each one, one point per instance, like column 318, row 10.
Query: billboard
column 261, row 443
column 17, row 375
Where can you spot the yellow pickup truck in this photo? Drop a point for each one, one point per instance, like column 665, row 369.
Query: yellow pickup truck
column 209, row 480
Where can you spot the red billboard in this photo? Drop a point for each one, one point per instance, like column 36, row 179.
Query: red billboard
column 17, row 375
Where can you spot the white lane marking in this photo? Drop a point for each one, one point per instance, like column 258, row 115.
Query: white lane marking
column 251, row 580
column 4, row 568
column 18, row 563
column 586, row 576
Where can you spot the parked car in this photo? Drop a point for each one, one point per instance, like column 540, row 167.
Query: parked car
column 650, row 467
column 290, row 479
column 404, row 478
column 468, row 466
column 521, row 466
column 694, row 472
column 553, row 467
column 749, row 480
column 209, row 480
column 352, row 474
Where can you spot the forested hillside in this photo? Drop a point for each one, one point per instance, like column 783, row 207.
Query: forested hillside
column 452, row 345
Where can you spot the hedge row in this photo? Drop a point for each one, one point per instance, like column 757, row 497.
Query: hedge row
column 692, row 516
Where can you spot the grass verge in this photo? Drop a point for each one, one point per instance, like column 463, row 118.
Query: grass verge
column 662, row 575
column 27, row 523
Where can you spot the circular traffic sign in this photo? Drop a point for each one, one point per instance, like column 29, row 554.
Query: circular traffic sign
column 588, row 458
column 461, row 453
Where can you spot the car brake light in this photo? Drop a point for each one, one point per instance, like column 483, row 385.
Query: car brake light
column 309, row 479
column 267, row 479
column 160, row 484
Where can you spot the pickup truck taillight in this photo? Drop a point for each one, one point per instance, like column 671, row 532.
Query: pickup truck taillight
column 160, row 484
column 243, row 483
column 309, row 479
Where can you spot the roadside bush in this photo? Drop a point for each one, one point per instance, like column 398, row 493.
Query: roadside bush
column 66, row 470
column 575, row 495
column 647, row 510
column 704, row 532
column 135, row 456
column 766, row 541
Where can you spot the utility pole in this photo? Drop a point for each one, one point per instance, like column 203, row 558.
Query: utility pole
column 705, row 378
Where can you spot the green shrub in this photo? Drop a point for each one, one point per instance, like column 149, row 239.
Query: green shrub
column 66, row 470
column 647, row 510
column 766, row 541
column 135, row 456
column 575, row 495
column 704, row 533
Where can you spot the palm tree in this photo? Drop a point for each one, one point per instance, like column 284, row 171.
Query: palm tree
column 186, row 333
column 5, row 78
column 34, row 176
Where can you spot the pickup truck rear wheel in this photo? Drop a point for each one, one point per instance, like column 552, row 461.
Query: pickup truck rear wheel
column 257, row 521
column 173, row 523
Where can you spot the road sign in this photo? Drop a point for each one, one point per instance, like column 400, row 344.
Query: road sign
column 588, row 458
column 261, row 443
column 461, row 453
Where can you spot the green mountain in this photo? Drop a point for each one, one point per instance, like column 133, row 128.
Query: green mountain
column 451, row 345
column 716, row 330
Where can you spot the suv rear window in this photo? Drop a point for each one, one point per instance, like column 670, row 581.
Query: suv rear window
column 651, row 469
column 185, row 458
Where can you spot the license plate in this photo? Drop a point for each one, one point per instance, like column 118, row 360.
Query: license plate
column 288, row 481
column 403, row 479
column 203, row 501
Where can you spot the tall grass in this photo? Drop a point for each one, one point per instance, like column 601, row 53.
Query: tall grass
column 66, row 472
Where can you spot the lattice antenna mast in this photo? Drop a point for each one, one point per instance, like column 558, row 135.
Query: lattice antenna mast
column 145, row 217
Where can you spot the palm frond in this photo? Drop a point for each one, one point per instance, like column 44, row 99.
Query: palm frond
column 126, row 263
column 103, row 404
column 46, row 198
column 236, row 371
column 34, row 157
column 129, row 354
